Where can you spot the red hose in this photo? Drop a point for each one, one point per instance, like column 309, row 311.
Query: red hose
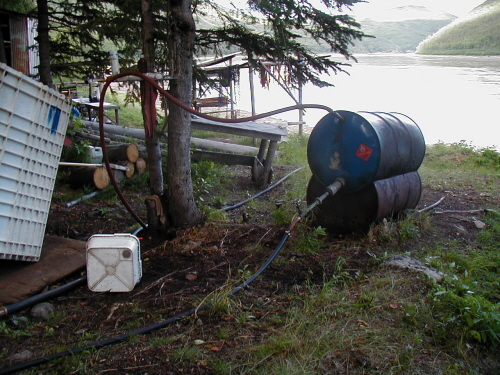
column 174, row 100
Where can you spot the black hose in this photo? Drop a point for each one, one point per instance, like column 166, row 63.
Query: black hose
column 28, row 302
column 147, row 329
column 269, row 188
column 22, row 305
column 330, row 190
column 180, row 104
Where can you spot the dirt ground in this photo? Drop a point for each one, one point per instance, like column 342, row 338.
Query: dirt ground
column 184, row 271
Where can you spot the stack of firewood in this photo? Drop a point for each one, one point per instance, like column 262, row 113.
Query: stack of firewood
column 125, row 161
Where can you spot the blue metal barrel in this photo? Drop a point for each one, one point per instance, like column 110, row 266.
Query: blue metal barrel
column 354, row 212
column 363, row 147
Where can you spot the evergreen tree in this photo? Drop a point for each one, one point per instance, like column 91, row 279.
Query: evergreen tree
column 285, row 29
column 20, row 6
column 287, row 24
column 81, row 29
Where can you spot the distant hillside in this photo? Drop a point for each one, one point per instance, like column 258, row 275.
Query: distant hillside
column 401, row 29
column 403, row 36
column 476, row 34
column 398, row 29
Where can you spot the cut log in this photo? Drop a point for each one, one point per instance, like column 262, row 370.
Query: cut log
column 121, row 152
column 130, row 166
column 118, row 175
column 141, row 165
column 116, row 129
column 89, row 176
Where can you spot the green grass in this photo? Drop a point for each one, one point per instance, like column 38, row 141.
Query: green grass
column 357, row 317
column 478, row 36
column 130, row 113
column 467, row 304
column 460, row 165
column 380, row 320
column 341, row 329
column 384, row 321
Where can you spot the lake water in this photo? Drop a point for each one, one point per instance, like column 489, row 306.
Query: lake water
column 451, row 98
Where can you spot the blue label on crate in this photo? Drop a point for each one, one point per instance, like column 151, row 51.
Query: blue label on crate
column 53, row 119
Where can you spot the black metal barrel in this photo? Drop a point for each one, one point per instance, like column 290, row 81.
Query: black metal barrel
column 348, row 212
column 362, row 147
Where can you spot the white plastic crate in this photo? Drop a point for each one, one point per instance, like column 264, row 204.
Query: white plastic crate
column 33, row 122
column 113, row 262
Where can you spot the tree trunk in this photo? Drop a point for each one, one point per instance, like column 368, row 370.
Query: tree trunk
column 182, row 207
column 44, row 43
column 148, row 96
column 147, row 65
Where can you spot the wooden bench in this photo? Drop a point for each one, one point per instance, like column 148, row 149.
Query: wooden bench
column 92, row 109
column 261, row 162
column 219, row 101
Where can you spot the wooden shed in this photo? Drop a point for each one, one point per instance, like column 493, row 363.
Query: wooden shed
column 18, row 47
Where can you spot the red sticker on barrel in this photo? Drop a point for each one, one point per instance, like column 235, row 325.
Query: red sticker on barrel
column 364, row 152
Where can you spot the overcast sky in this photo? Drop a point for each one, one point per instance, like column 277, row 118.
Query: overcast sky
column 455, row 7
column 375, row 7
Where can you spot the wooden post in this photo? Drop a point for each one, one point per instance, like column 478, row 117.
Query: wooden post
column 231, row 87
column 141, row 165
column 131, row 167
column 252, row 94
column 301, row 112
column 252, row 89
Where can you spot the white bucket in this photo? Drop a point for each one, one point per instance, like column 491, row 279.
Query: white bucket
column 113, row 262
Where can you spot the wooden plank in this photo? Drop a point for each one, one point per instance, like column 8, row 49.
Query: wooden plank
column 250, row 129
column 202, row 64
column 113, row 166
column 59, row 258
column 106, row 105
column 219, row 157
column 209, row 144
column 220, row 101
column 247, row 129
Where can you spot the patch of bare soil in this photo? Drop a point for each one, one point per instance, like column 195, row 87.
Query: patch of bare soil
column 192, row 267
